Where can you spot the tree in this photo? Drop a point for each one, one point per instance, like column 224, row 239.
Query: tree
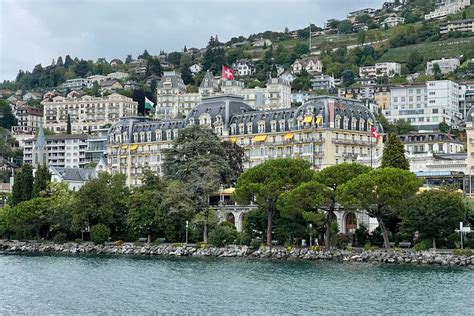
column 301, row 49
column 394, row 154
column 348, row 77
column 186, row 75
column 68, row 126
column 444, row 127
column 142, row 206
column 345, row 27
column 235, row 157
column 23, row 185
column 42, row 178
column 68, row 62
column 153, row 67
column 414, row 60
column 214, row 57
column 319, row 195
column 379, row 193
column 437, row 71
column 7, row 119
column 82, row 68
column 145, row 55
column 102, row 201
column 128, row 59
column 264, row 183
column 434, row 214
column 197, row 160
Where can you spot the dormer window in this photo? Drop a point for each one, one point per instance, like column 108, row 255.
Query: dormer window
column 346, row 122
column 282, row 125
column 249, row 128
column 241, row 128
column 261, row 127
column 273, row 126
column 233, row 129
column 337, row 121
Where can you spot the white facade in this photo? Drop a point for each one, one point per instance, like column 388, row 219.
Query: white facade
column 311, row 64
column 86, row 113
column 452, row 7
column 425, row 106
column 457, row 26
column 393, row 21
column 117, row 75
column 445, row 65
column 380, row 70
column 244, row 68
column 195, row 68
column 66, row 151
column 77, row 83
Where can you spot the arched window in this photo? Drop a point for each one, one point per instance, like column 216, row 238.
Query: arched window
column 354, row 123
column 158, row 134
column 261, row 126
column 273, row 126
column 337, row 121
column 346, row 122
column 249, row 128
column 233, row 129
column 241, row 128
column 282, row 125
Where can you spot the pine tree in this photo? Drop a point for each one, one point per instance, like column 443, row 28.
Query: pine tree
column 23, row 186
column 68, row 126
column 394, row 154
column 42, row 178
column 186, row 75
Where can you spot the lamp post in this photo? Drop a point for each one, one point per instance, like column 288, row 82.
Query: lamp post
column 187, row 227
column 311, row 234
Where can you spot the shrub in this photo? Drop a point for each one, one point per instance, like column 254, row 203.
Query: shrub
column 100, row 233
column 223, row 235
column 361, row 235
column 342, row 240
column 78, row 241
column 60, row 238
column 255, row 244
column 463, row 252
column 202, row 245
column 369, row 247
column 423, row 245
column 315, row 248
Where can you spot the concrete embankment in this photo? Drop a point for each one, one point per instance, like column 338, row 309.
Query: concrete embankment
column 394, row 256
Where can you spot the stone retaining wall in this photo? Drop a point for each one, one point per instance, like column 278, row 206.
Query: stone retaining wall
column 356, row 255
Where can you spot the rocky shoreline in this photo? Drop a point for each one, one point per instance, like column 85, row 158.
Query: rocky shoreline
column 394, row 256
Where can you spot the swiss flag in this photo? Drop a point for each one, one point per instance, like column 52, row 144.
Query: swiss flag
column 374, row 133
column 227, row 73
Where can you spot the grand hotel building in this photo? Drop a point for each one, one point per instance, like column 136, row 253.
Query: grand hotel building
column 325, row 131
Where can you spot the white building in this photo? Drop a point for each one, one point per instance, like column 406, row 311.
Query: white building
column 77, row 83
column 195, row 68
column 425, row 106
column 429, row 142
column 446, row 8
column 311, row 64
column 74, row 177
column 86, row 113
column 29, row 119
column 380, row 70
column 244, row 67
column 97, row 78
column 445, row 65
column 262, row 42
column 457, row 26
column 392, row 21
column 118, row 75
column 323, row 82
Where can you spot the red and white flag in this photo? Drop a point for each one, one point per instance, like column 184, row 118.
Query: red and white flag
column 227, row 73
column 374, row 133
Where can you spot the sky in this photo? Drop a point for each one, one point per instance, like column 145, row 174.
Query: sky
column 38, row 31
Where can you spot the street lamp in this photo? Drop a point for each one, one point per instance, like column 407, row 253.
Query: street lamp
column 187, row 227
column 310, row 234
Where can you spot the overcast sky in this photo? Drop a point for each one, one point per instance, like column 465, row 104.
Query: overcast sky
column 36, row 31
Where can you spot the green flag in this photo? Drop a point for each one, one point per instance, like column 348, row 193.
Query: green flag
column 148, row 104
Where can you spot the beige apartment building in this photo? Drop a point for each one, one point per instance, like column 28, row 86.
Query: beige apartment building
column 325, row 131
column 86, row 113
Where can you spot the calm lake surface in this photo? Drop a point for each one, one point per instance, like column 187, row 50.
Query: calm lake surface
column 93, row 284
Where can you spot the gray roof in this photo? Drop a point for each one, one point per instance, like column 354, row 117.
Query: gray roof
column 208, row 80
column 74, row 174
column 173, row 77
column 40, row 140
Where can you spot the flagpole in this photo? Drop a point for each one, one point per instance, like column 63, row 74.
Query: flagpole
column 370, row 151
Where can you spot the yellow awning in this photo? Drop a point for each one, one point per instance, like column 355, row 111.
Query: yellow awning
column 229, row 191
column 260, row 138
column 308, row 119
column 124, row 146
column 232, row 139
column 289, row 136
column 123, row 156
column 115, row 146
column 134, row 147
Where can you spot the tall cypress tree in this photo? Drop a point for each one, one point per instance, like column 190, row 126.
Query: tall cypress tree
column 42, row 178
column 23, row 186
column 68, row 126
column 394, row 154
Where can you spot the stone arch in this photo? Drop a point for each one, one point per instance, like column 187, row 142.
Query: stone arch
column 350, row 222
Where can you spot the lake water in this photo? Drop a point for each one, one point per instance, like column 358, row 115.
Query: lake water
column 92, row 284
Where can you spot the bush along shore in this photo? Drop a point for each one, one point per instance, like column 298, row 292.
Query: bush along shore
column 395, row 256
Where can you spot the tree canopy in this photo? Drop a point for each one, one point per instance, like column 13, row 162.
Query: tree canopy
column 394, row 154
